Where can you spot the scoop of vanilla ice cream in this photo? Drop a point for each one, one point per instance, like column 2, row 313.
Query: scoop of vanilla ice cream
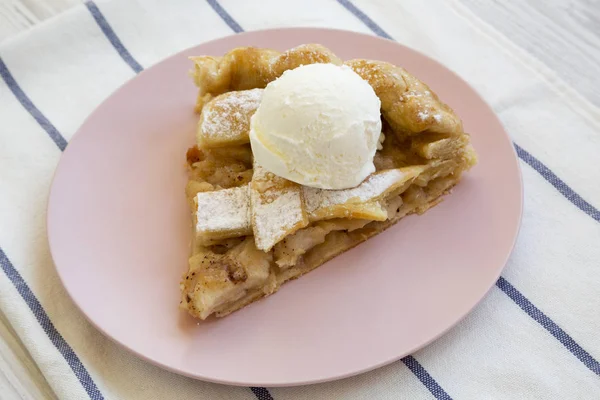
column 318, row 125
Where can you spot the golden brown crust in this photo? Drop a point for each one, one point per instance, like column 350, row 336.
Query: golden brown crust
column 249, row 67
column 407, row 104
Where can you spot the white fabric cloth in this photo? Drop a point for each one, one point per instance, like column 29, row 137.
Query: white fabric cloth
column 505, row 349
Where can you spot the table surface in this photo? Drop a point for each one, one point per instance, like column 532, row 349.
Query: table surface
column 561, row 34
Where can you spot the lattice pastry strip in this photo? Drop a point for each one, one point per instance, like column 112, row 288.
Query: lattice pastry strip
column 276, row 208
column 225, row 120
column 273, row 208
column 222, row 214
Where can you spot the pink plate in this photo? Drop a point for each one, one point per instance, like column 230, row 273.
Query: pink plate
column 119, row 231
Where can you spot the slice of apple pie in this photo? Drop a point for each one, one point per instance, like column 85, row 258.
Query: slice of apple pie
column 266, row 212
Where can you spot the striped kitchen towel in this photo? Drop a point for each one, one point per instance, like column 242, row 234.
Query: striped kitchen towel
column 537, row 333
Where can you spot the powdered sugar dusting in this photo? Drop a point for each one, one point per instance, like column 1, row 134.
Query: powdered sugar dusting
column 371, row 189
column 277, row 213
column 306, row 54
column 370, row 71
column 223, row 210
column 227, row 117
column 275, row 220
column 414, row 94
column 425, row 115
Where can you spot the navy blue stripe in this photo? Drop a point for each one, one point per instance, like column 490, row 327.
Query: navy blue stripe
column 20, row 284
column 365, row 19
column 225, row 16
column 564, row 189
column 112, row 37
column 31, row 108
column 261, row 393
column 427, row 380
column 549, row 325
column 55, row 337
column 558, row 183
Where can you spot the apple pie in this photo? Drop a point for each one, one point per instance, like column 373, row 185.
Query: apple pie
column 255, row 230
